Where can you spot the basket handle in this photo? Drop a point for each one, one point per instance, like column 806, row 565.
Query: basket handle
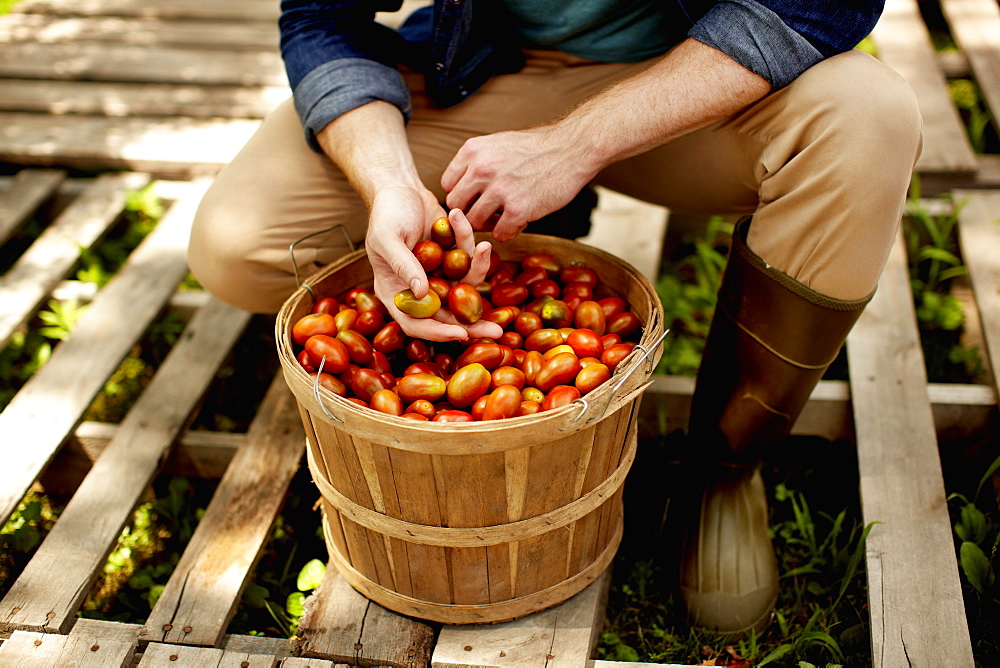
column 316, row 395
column 618, row 386
column 295, row 264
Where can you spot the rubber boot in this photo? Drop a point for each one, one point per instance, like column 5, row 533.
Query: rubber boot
column 770, row 341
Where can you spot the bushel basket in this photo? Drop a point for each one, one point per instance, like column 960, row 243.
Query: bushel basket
column 482, row 521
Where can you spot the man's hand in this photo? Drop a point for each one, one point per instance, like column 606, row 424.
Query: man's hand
column 391, row 236
column 508, row 179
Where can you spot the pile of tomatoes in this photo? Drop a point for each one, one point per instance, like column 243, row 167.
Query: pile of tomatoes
column 564, row 335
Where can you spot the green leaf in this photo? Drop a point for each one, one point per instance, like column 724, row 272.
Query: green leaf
column 976, row 566
column 776, row 653
column 154, row 595
column 311, row 575
column 940, row 254
column 986, row 476
column 972, row 524
column 295, row 604
column 255, row 595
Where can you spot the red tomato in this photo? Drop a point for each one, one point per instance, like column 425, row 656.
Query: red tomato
column 390, row 338
column 351, row 297
column 612, row 306
column 508, row 294
column 366, row 301
column 450, row 415
column 502, row 403
column 531, row 275
column 613, row 355
column 578, row 273
column 502, row 315
column 585, row 343
column 369, row 322
column 416, row 386
column 311, row 324
column 583, row 290
column 544, row 260
column 418, row 350
column 512, row 340
column 527, row 322
column 528, row 408
column 326, row 305
column 561, row 369
column 591, row 376
column 422, row 367
column 590, row 315
column 303, row 358
column 346, row 318
column 559, row 396
column 624, row 324
column 507, row 375
column 479, row 407
column 439, row 286
column 380, row 362
column 429, row 254
column 542, row 339
column 489, row 354
column 456, row 263
column 422, row 407
column 545, row 288
column 465, row 303
column 331, row 383
column 533, row 361
column 366, row 382
column 468, row 384
column 417, row 417
column 386, row 401
column 329, row 351
column 358, row 347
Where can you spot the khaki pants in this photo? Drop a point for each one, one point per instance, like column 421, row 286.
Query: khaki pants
column 823, row 165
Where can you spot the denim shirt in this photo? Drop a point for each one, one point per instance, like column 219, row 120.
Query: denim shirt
column 338, row 57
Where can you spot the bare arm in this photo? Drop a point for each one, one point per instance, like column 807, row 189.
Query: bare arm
column 530, row 173
column 369, row 144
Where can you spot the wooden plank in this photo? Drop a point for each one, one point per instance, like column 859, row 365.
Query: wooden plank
column 143, row 63
column 58, row 577
column 342, row 625
column 561, row 636
column 57, row 250
column 31, row 188
column 903, row 43
column 975, row 25
column 139, row 99
column 161, row 655
column 168, row 146
column 233, row 35
column 916, row 605
column 256, row 10
column 49, row 406
column 203, row 591
column 979, row 237
column 25, row 650
column 956, row 407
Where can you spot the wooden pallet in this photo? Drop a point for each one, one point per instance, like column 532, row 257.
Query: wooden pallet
column 109, row 84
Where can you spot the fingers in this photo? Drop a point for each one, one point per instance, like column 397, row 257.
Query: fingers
column 480, row 264
column 465, row 235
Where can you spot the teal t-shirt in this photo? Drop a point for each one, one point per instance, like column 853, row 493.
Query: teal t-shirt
column 623, row 31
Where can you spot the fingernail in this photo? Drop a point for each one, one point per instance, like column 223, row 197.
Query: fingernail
column 414, row 285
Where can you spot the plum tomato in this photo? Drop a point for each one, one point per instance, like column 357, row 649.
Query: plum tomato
column 429, row 254
column 415, row 386
column 366, row 382
column 532, row 393
column 560, row 369
column 366, row 301
column 380, row 362
column 527, row 322
column 456, row 263
column 369, row 322
column 544, row 288
column 591, row 376
column 331, row 383
column 442, row 232
column 502, row 403
column 422, row 367
column 507, row 375
column 386, row 401
column 468, row 384
column 612, row 306
column 528, row 408
column 416, row 417
column 465, row 303
column 502, row 315
column 479, row 407
column 624, row 324
column 390, row 338
column 424, row 307
column 582, row 290
column 533, row 361
column 589, row 315
column 556, row 313
column 452, row 415
column 585, row 343
column 313, row 323
column 303, row 358
column 544, row 260
column 559, row 396
column 418, row 350
column 509, row 294
column 511, row 339
column 358, row 347
column 439, row 285
column 327, row 353
column 613, row 355
column 532, row 275
column 422, row 407
column 346, row 319
column 326, row 305
column 578, row 273
column 487, row 353
column 542, row 339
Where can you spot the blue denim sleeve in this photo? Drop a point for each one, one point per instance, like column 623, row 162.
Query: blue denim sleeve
column 780, row 39
column 338, row 58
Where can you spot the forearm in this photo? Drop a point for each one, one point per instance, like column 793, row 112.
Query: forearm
column 369, row 145
column 692, row 86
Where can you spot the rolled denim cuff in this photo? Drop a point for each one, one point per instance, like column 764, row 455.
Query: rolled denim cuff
column 336, row 87
column 756, row 38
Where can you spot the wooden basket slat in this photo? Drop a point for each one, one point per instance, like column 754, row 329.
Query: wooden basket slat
column 31, row 188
